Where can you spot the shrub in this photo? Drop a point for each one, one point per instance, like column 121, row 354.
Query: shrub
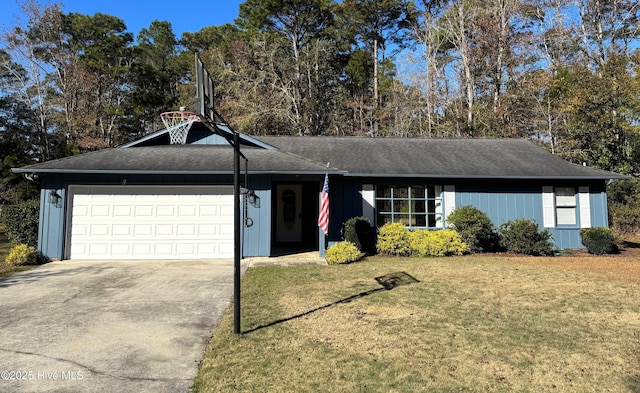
column 625, row 218
column 22, row 254
column 598, row 240
column 475, row 228
column 438, row 243
column 21, row 222
column 393, row 239
column 343, row 252
column 523, row 237
column 357, row 230
column 451, row 241
column 623, row 199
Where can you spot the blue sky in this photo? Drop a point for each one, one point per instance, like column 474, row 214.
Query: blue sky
column 189, row 16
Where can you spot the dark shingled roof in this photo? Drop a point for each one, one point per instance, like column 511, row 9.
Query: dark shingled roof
column 351, row 156
column 435, row 157
column 200, row 159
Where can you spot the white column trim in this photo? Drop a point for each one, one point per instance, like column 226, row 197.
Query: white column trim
column 368, row 202
column 449, row 200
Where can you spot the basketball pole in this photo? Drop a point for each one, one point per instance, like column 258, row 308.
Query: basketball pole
column 207, row 113
column 237, row 329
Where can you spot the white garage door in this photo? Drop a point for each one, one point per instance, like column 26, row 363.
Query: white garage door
column 129, row 222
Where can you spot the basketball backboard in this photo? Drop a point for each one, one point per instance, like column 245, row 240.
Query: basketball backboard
column 204, row 93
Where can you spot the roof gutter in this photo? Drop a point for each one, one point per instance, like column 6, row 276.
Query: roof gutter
column 488, row 177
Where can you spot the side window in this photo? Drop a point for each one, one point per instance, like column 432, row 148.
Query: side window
column 566, row 206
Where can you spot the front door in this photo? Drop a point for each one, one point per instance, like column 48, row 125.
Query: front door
column 288, row 213
column 295, row 209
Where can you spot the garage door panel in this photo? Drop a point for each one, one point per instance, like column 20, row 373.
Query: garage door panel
column 120, row 250
column 121, row 230
column 209, row 211
column 166, row 211
column 155, row 223
column 80, row 211
column 165, row 230
column 122, row 211
column 208, row 229
column 143, row 230
column 225, row 248
column 163, row 250
column 79, row 230
column 187, row 211
column 187, row 250
column 100, row 230
column 186, row 230
column 100, row 211
column 226, row 230
column 142, row 250
column 143, row 211
column 99, row 249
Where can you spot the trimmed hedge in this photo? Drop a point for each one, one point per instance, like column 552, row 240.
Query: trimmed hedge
column 523, row 237
column 439, row 243
column 358, row 231
column 598, row 240
column 343, row 252
column 393, row 239
column 21, row 222
column 396, row 239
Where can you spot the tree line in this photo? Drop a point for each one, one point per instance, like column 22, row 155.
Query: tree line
column 563, row 74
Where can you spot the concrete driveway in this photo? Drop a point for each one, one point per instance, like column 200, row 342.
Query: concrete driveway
column 117, row 326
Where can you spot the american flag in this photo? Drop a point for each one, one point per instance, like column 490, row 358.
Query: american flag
column 323, row 220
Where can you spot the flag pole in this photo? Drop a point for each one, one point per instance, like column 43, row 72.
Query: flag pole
column 323, row 216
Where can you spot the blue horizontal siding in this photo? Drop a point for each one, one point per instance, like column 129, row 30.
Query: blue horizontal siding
column 504, row 202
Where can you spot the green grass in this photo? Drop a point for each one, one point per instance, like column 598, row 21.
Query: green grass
column 472, row 323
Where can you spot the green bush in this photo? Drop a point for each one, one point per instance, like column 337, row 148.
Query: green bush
column 343, row 252
column 625, row 218
column 475, row 228
column 598, row 240
column 623, row 199
column 438, row 243
column 523, row 237
column 22, row 254
column 21, row 222
column 357, row 230
column 393, row 239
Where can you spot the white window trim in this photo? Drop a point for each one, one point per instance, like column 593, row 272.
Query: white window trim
column 444, row 203
column 585, row 207
column 548, row 207
column 583, row 210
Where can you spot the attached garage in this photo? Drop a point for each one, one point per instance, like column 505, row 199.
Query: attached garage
column 150, row 222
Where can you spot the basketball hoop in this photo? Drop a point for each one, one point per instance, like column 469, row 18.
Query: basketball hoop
column 178, row 124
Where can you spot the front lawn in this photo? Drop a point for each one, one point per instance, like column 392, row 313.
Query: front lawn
column 472, row 323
